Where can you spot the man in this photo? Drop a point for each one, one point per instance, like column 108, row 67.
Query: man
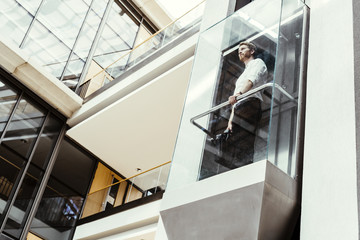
column 246, row 111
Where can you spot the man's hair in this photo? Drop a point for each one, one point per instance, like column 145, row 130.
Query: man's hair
column 250, row 45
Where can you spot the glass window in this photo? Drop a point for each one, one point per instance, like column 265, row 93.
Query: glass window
column 24, row 128
column 120, row 23
column 110, row 42
column 87, row 35
column 14, row 21
column 117, row 37
column 47, row 141
column 15, row 150
column 8, row 98
column 62, row 201
column 73, row 71
column 68, row 163
column 10, row 165
column 81, row 50
column 58, row 211
column 23, row 202
column 33, row 177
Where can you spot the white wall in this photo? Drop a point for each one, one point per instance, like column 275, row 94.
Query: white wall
column 134, row 222
column 329, row 201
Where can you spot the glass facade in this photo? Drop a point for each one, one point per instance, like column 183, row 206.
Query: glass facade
column 62, row 202
column 116, row 40
column 265, row 119
column 30, row 132
column 61, row 34
column 124, row 59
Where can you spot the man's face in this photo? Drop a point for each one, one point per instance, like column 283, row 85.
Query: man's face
column 244, row 53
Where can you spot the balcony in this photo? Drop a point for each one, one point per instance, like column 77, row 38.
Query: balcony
column 162, row 41
column 120, row 198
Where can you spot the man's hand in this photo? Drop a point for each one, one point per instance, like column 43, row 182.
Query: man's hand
column 232, row 99
column 229, row 127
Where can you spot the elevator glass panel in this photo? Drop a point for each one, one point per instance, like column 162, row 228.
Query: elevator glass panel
column 277, row 29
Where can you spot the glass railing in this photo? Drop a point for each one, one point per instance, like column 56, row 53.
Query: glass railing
column 266, row 121
column 123, row 191
column 167, row 34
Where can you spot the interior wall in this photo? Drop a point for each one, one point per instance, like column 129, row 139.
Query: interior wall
column 356, row 12
column 329, row 200
column 103, row 177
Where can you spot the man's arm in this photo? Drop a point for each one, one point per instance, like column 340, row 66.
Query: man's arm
column 244, row 89
column 232, row 101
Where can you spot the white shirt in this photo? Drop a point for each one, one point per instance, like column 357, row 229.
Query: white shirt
column 256, row 72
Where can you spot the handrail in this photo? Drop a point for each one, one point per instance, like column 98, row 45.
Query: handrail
column 31, row 176
column 123, row 180
column 238, row 99
column 140, row 44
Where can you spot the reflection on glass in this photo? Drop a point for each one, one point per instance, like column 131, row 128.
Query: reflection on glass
column 23, row 202
column 24, row 128
column 14, row 21
column 59, row 209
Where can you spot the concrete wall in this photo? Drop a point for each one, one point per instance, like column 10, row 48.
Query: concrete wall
column 356, row 12
column 329, row 200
